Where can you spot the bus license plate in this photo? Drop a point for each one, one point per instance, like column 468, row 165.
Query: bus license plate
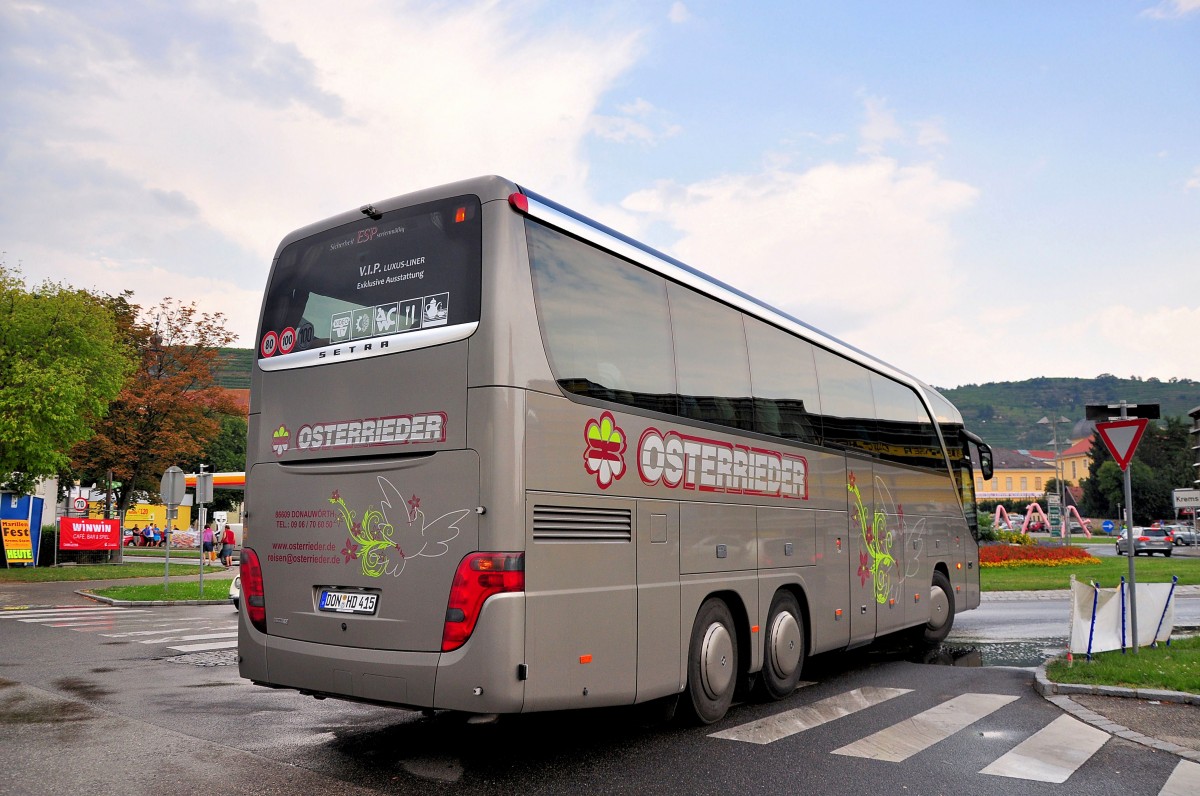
column 348, row 602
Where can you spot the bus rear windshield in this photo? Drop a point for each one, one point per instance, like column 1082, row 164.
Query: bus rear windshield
column 410, row 270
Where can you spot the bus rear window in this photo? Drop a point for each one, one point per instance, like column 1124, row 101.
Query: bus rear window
column 376, row 284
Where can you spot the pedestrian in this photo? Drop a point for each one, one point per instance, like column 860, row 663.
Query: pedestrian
column 135, row 533
column 206, row 538
column 147, row 536
column 157, row 538
column 227, row 547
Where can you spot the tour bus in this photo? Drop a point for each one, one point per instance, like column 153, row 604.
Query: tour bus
column 505, row 459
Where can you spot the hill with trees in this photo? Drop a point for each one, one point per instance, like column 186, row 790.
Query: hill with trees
column 1005, row 414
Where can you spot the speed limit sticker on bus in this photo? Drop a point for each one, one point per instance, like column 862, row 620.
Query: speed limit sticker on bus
column 348, row 602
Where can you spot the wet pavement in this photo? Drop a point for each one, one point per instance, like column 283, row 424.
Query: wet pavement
column 1164, row 720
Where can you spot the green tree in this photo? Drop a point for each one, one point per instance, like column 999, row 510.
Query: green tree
column 62, row 361
column 169, row 409
column 1161, row 464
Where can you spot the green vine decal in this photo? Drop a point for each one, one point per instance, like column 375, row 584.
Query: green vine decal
column 414, row 536
column 369, row 539
column 875, row 559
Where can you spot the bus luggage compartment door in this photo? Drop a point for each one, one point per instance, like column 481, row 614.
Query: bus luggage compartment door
column 580, row 602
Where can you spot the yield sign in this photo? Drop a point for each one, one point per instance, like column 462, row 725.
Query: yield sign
column 1121, row 437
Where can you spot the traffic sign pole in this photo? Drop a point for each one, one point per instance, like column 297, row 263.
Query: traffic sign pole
column 171, row 491
column 1121, row 437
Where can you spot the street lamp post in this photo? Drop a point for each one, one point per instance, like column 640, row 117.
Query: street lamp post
column 1058, row 481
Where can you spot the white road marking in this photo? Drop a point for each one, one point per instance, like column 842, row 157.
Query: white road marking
column 1184, row 780
column 790, row 722
column 218, row 645
column 1052, row 754
column 197, row 637
column 904, row 739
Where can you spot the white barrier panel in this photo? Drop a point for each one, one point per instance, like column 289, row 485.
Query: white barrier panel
column 1100, row 618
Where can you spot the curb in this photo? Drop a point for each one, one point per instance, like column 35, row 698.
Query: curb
column 1058, row 693
column 1191, row 590
column 134, row 603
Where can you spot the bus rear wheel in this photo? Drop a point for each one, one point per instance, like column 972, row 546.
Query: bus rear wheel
column 783, row 652
column 941, row 610
column 712, row 662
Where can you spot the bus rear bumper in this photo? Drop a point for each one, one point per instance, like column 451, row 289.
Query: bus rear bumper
column 483, row 676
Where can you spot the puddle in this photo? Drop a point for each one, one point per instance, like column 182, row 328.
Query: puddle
column 1025, row 653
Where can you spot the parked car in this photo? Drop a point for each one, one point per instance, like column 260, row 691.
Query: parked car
column 1184, row 535
column 1148, row 541
column 235, row 591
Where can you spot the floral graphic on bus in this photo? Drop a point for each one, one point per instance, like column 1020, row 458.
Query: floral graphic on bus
column 382, row 547
column 875, row 560
column 604, row 456
column 280, row 440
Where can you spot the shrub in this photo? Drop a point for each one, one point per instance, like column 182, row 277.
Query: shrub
column 1015, row 537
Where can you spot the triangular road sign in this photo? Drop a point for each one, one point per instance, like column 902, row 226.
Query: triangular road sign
column 1121, row 437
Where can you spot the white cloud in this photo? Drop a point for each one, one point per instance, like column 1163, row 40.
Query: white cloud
column 879, row 128
column 215, row 170
column 679, row 13
column 1193, row 182
column 1172, row 9
column 931, row 133
column 638, row 121
column 861, row 250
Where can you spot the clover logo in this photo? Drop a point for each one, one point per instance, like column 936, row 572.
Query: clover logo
column 280, row 440
column 604, row 456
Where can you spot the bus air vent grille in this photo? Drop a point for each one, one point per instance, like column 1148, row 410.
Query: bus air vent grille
column 575, row 524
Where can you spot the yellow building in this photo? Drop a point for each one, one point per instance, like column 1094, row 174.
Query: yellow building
column 1016, row 475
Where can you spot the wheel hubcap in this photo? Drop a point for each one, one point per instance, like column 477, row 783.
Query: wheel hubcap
column 716, row 661
column 785, row 645
column 939, row 607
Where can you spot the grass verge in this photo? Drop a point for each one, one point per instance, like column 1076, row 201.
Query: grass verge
column 178, row 590
column 1173, row 667
column 99, row 572
column 1107, row 572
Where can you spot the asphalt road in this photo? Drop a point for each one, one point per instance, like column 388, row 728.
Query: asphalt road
column 110, row 705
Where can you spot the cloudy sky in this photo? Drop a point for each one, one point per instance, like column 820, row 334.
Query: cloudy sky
column 973, row 192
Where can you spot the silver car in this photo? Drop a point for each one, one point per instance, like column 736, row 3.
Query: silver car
column 1148, row 541
column 1184, row 535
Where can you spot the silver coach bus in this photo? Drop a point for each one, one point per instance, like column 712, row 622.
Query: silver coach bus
column 504, row 459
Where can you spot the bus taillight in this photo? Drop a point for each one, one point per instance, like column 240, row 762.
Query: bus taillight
column 252, row 589
column 479, row 576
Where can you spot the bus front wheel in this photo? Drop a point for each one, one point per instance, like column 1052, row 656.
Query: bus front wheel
column 712, row 662
column 783, row 653
column 941, row 610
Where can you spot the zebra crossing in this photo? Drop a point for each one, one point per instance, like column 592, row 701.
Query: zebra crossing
column 1050, row 755
column 175, row 634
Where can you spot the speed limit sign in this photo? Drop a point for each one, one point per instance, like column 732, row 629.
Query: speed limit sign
column 80, row 504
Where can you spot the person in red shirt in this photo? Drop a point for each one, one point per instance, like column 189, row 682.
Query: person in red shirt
column 227, row 541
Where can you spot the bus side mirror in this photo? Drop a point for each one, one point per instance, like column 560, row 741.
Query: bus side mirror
column 985, row 462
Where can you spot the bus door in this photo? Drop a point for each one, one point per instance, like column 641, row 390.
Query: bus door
column 580, row 602
column 661, row 669
column 870, row 552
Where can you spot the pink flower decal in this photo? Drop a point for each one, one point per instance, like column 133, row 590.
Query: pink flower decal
column 605, row 453
column 350, row 551
column 864, row 568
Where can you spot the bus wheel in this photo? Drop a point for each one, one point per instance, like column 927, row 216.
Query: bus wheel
column 712, row 662
column 941, row 610
column 783, row 653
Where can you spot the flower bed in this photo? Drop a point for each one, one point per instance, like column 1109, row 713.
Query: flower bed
column 1037, row 556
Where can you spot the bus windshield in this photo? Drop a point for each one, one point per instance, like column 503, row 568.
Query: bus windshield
column 375, row 279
